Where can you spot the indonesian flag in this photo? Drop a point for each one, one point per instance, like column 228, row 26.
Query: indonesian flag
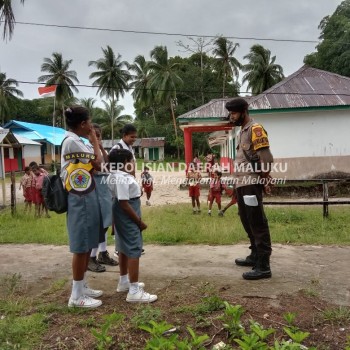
column 47, row 91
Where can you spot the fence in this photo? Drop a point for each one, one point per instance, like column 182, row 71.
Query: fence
column 325, row 202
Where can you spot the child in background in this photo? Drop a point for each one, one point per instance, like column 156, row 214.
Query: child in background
column 33, row 165
column 38, row 198
column 129, row 225
column 147, row 184
column 215, row 192
column 27, row 185
column 193, row 179
column 232, row 193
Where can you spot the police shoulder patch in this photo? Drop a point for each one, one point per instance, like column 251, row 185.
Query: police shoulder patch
column 259, row 137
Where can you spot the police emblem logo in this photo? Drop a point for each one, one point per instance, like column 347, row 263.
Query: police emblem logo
column 258, row 131
column 79, row 180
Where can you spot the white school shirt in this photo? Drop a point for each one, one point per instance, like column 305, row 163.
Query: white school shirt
column 123, row 186
column 124, row 146
column 72, row 144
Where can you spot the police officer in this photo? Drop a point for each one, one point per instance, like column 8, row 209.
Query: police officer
column 252, row 168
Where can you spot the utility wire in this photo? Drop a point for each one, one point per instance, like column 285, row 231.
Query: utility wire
column 163, row 33
column 193, row 91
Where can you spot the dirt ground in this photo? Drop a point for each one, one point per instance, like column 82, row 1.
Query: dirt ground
column 305, row 280
column 322, row 270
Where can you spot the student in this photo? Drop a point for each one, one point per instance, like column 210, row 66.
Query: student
column 105, row 201
column 215, row 192
column 27, row 185
column 147, row 184
column 33, row 165
column 193, row 179
column 233, row 200
column 83, row 214
column 38, row 198
column 129, row 135
column 129, row 225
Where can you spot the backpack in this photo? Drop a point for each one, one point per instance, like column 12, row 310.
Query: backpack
column 55, row 195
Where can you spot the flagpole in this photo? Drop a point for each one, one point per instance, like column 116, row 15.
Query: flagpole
column 54, row 133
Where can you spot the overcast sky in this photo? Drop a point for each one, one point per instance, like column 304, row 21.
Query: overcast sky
column 22, row 57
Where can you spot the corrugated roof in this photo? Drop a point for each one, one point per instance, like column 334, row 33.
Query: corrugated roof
column 38, row 132
column 153, row 142
column 307, row 87
column 25, row 141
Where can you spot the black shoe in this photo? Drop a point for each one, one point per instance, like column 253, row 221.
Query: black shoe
column 105, row 259
column 250, row 260
column 94, row 265
column 261, row 270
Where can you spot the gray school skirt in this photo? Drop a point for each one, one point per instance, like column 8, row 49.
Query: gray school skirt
column 104, row 198
column 83, row 222
column 128, row 238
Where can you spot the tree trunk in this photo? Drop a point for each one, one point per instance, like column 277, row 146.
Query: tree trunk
column 154, row 115
column 202, row 93
column 112, row 120
column 63, row 118
column 223, row 85
column 175, row 128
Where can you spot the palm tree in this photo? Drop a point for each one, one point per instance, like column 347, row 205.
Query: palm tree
column 262, row 71
column 88, row 103
column 142, row 94
column 8, row 93
column 110, row 117
column 59, row 75
column 164, row 81
column 8, row 17
column 111, row 78
column 226, row 64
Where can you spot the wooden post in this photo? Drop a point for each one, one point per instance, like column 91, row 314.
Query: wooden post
column 325, row 198
column 2, row 176
column 13, row 193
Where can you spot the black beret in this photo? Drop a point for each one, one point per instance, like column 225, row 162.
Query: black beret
column 237, row 105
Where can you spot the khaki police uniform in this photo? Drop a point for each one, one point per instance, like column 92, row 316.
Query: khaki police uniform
column 253, row 145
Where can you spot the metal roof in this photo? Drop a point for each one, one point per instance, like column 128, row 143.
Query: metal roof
column 37, row 132
column 25, row 141
column 307, row 87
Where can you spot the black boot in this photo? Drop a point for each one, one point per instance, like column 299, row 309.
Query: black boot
column 261, row 269
column 250, row 260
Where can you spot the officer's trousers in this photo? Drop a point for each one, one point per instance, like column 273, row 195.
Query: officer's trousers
column 254, row 220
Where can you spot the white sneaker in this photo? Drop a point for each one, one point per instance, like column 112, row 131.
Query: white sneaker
column 116, row 254
column 94, row 293
column 141, row 297
column 124, row 287
column 84, row 301
column 148, row 203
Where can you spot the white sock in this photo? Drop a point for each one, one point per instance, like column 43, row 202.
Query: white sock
column 85, row 279
column 134, row 288
column 209, row 211
column 93, row 253
column 124, row 279
column 77, row 289
column 103, row 246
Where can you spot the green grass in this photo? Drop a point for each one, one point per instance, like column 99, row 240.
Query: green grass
column 175, row 224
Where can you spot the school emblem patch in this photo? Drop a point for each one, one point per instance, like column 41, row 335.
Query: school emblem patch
column 79, row 178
